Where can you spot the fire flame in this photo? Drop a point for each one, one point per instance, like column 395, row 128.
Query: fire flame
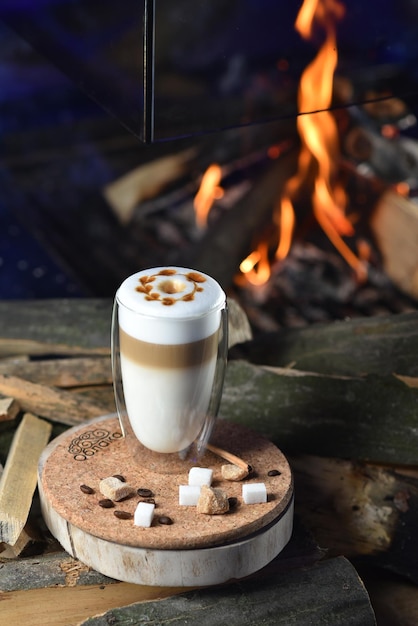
column 319, row 144
column 256, row 267
column 208, row 192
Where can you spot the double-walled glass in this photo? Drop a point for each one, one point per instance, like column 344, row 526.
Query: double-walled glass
column 169, row 349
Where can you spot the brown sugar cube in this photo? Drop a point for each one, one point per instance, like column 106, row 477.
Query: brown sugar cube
column 114, row 489
column 233, row 472
column 212, row 501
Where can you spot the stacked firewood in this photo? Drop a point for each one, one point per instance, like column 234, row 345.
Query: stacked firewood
column 340, row 400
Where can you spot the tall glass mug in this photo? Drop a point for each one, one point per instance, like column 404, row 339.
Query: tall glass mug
column 169, row 348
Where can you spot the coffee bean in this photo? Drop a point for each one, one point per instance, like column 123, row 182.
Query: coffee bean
column 274, row 472
column 106, row 503
column 122, row 514
column 165, row 520
column 119, row 477
column 144, row 493
column 149, row 500
column 86, row 489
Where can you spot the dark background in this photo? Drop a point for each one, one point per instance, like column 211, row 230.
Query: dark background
column 59, row 148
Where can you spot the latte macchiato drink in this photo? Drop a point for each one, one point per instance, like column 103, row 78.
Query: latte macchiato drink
column 170, row 327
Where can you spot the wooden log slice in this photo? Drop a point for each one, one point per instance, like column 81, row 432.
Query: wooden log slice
column 196, row 549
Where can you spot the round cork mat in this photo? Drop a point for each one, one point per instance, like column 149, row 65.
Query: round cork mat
column 86, row 454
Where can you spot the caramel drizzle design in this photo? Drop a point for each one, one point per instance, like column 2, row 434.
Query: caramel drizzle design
column 146, row 287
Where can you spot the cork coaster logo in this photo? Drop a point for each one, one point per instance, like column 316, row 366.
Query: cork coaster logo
column 91, row 442
column 169, row 287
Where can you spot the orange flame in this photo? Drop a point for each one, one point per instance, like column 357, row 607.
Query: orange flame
column 208, row 192
column 319, row 136
column 256, row 266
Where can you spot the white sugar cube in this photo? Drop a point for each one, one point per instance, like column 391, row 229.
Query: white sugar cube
column 189, row 495
column 144, row 514
column 200, row 476
column 254, row 493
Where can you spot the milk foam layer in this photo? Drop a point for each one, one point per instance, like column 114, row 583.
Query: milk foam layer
column 170, row 305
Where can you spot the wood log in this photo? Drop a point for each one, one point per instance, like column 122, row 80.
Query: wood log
column 9, row 409
column 102, row 396
column 11, row 348
column 231, row 239
column 366, row 512
column 379, row 345
column 67, row 372
column 76, row 326
column 372, row 418
column 291, row 598
column 29, row 541
column 145, row 182
column 239, row 329
column 69, row 604
column 394, row 224
column 52, row 569
column 19, row 477
column 58, row 582
column 394, row 600
column 57, row 405
column 49, row 571
column 44, row 328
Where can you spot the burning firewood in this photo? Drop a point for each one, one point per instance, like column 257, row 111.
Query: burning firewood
column 144, row 182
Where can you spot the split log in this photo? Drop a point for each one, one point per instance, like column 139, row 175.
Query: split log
column 373, row 418
column 21, row 348
column 394, row 223
column 19, row 477
column 329, row 592
column 145, row 182
column 102, row 396
column 9, row 409
column 28, row 542
column 379, row 345
column 70, row 605
column 68, row 372
column 54, row 404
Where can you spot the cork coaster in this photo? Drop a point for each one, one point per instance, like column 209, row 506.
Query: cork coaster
column 196, row 549
column 87, row 454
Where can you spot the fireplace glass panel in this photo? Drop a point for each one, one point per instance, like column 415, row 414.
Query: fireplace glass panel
column 169, row 69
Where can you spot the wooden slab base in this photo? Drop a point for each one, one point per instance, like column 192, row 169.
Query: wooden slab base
column 194, row 550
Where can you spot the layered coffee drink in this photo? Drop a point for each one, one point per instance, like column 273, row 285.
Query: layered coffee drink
column 171, row 324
